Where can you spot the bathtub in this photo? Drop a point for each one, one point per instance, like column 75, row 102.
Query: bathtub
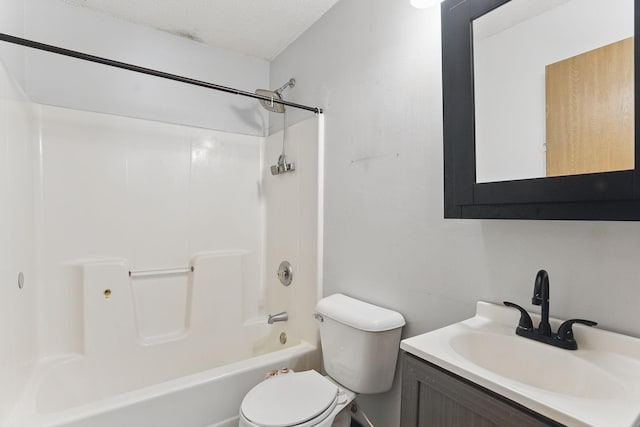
column 185, row 359
column 206, row 399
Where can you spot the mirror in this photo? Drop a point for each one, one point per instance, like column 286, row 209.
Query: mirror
column 553, row 89
column 540, row 109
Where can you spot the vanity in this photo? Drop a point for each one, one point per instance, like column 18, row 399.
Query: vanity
column 478, row 372
column 432, row 396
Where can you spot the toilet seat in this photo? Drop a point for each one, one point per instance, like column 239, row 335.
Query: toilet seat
column 300, row 399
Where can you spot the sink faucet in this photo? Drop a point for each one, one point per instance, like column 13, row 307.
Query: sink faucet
column 280, row 317
column 564, row 337
column 541, row 297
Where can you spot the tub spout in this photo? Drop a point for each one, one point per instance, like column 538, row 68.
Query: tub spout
column 280, row 317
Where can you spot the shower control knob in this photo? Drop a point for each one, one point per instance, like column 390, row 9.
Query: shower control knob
column 285, row 273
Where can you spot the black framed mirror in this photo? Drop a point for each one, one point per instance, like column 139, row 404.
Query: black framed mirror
column 484, row 134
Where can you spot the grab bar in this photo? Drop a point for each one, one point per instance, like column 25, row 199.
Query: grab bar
column 165, row 272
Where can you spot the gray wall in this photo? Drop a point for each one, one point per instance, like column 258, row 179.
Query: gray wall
column 375, row 66
column 70, row 83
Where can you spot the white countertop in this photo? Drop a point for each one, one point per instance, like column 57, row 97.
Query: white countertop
column 596, row 385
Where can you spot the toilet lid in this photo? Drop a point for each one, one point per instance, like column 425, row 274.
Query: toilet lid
column 289, row 400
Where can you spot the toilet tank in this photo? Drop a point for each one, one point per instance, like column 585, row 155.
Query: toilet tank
column 360, row 342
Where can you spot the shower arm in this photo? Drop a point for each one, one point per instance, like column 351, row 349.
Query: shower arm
column 290, row 83
column 148, row 71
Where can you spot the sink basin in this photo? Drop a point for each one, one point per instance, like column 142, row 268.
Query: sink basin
column 535, row 364
column 596, row 385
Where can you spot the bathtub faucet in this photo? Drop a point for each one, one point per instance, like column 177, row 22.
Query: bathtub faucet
column 280, row 317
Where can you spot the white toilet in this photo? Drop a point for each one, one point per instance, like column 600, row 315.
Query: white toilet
column 360, row 343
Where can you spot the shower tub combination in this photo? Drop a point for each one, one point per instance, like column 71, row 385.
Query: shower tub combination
column 180, row 346
column 133, row 340
column 130, row 374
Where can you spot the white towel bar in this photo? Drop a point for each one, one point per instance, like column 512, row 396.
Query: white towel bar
column 165, row 272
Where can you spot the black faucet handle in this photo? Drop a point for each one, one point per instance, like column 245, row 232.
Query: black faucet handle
column 565, row 331
column 525, row 320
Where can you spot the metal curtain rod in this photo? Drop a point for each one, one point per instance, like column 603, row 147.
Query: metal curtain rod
column 123, row 65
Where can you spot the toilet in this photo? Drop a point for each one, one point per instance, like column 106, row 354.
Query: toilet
column 360, row 343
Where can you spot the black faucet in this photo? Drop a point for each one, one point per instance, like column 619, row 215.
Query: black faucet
column 541, row 297
column 564, row 337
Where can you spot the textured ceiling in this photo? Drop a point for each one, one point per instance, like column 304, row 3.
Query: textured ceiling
column 260, row 28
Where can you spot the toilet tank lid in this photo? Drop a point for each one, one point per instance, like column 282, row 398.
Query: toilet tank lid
column 359, row 314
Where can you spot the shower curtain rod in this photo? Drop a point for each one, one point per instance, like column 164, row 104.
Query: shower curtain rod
column 123, row 65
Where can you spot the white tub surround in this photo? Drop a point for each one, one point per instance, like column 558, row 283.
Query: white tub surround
column 18, row 299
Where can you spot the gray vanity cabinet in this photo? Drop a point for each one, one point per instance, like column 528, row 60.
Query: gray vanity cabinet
column 433, row 397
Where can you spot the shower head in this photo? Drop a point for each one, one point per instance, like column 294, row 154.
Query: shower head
column 271, row 106
column 274, row 95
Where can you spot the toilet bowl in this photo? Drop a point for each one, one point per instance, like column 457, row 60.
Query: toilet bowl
column 360, row 344
column 301, row 399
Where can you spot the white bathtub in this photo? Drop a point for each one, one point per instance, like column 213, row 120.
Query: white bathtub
column 207, row 399
column 152, row 356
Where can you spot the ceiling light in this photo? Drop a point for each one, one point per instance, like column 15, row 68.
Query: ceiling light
column 423, row 4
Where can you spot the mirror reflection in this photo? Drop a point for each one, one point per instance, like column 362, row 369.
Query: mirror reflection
column 553, row 82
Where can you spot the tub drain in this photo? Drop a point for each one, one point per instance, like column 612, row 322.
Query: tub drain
column 283, row 338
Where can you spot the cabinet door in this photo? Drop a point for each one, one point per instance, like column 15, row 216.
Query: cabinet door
column 432, row 397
